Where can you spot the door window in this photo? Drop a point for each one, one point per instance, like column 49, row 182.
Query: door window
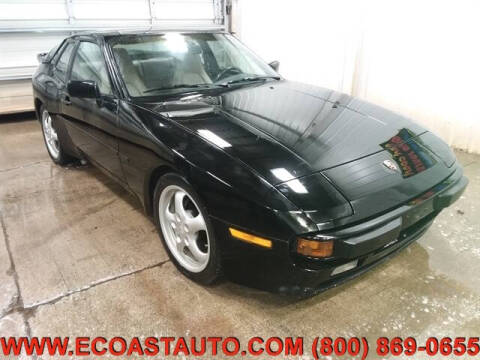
column 61, row 66
column 89, row 64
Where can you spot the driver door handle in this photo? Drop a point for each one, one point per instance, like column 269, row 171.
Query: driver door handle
column 66, row 100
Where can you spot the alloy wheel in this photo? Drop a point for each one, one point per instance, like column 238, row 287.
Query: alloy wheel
column 184, row 228
column 51, row 137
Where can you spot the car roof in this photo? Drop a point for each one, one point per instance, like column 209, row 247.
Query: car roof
column 146, row 31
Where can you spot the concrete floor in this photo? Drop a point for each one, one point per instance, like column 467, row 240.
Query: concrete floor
column 79, row 258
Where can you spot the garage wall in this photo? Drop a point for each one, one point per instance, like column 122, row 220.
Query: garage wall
column 420, row 58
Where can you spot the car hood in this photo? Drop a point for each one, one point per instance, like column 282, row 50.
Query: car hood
column 284, row 130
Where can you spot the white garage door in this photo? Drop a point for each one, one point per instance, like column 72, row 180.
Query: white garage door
column 28, row 27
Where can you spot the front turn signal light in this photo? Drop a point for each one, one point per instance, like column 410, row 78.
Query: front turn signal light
column 252, row 239
column 312, row 248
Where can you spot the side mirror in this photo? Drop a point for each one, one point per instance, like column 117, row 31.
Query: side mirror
column 275, row 65
column 83, row 89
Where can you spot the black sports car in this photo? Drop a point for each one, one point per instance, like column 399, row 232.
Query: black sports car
column 280, row 185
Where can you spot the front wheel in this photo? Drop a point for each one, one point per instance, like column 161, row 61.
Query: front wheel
column 52, row 139
column 185, row 229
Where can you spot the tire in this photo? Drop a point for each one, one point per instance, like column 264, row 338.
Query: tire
column 194, row 252
column 53, row 139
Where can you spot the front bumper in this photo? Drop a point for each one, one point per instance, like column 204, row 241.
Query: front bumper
column 368, row 243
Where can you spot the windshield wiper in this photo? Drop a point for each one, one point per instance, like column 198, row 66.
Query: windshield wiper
column 210, row 86
column 250, row 79
column 180, row 86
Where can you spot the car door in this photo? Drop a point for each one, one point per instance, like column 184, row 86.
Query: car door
column 92, row 123
column 55, row 85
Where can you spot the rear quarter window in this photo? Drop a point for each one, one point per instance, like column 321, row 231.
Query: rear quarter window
column 53, row 53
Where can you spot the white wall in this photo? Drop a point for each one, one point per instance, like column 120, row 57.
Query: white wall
column 420, row 58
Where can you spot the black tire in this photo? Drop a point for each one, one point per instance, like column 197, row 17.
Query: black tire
column 213, row 270
column 63, row 158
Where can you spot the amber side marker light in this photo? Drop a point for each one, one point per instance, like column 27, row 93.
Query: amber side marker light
column 252, row 239
column 318, row 249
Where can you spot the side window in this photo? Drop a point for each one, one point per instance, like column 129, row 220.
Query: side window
column 61, row 66
column 89, row 64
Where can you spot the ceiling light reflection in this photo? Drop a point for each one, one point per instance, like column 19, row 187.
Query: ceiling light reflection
column 282, row 174
column 214, row 138
column 176, row 43
column 286, row 176
column 297, row 186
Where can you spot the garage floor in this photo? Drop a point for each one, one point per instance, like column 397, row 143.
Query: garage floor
column 79, row 258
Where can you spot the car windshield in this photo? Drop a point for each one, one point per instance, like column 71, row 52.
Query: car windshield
column 155, row 64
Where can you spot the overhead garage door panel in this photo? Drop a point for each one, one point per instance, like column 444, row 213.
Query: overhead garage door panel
column 33, row 10
column 29, row 27
column 106, row 10
column 178, row 9
column 18, row 55
column 87, row 14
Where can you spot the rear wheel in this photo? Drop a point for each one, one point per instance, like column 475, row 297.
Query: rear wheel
column 52, row 139
column 185, row 229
